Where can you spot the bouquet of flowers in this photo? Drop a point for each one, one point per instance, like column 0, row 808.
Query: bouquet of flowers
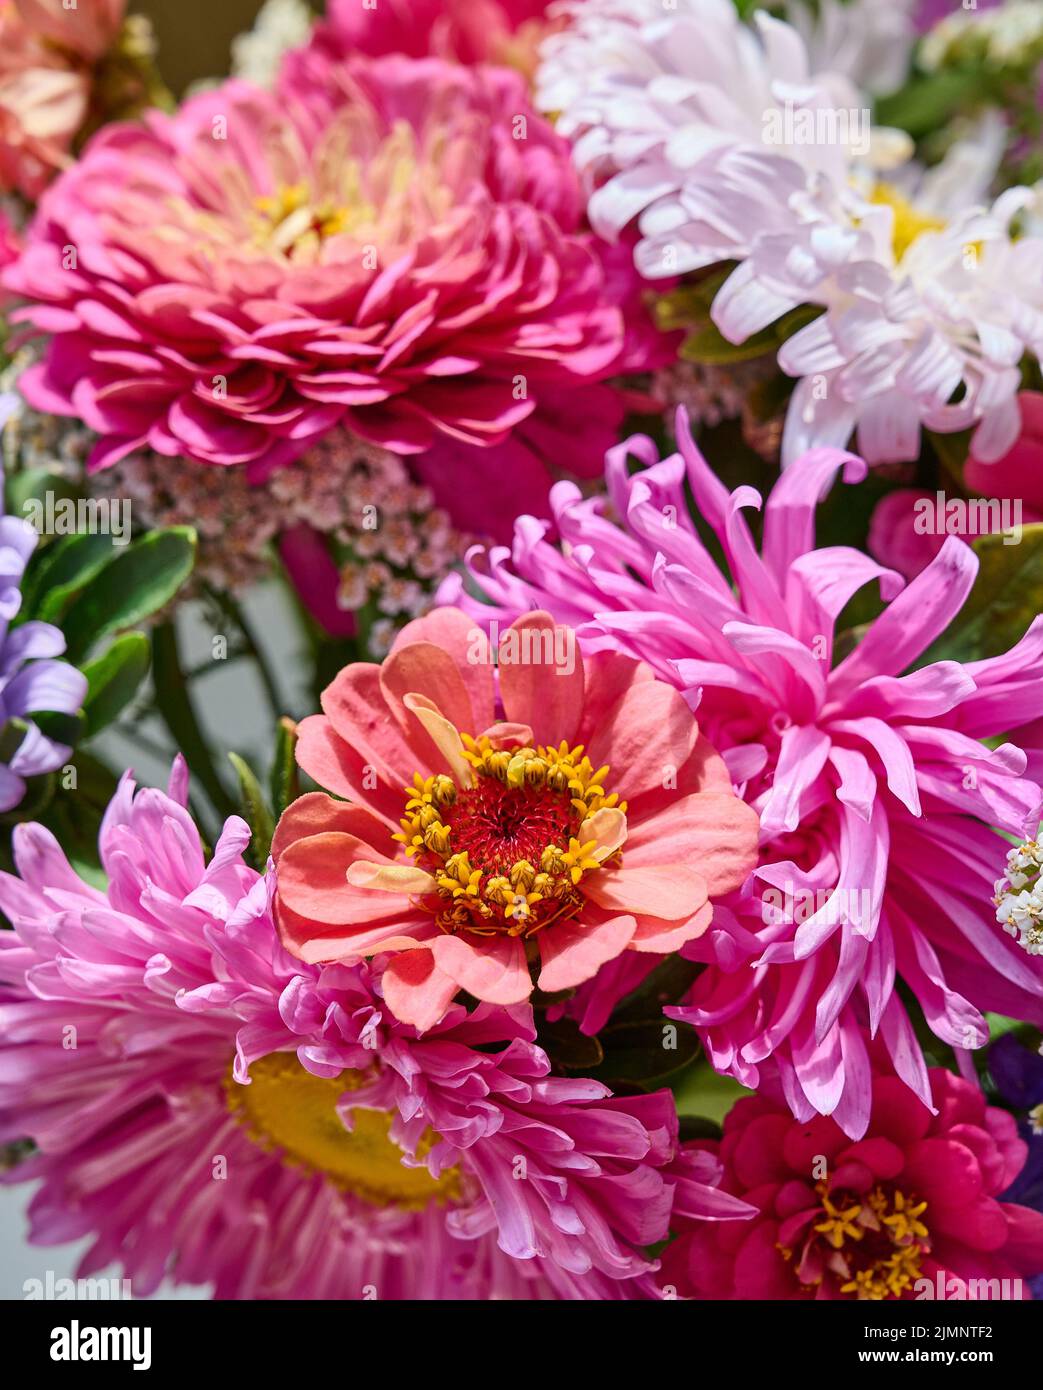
column 521, row 745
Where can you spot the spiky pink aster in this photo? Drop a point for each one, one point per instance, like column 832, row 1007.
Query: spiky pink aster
column 911, row 1211
column 182, row 1076
column 879, row 804
column 398, row 247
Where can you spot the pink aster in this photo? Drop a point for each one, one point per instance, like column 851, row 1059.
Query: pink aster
column 553, row 808
column 911, row 1211
column 397, row 247
column 181, row 1077
column 879, row 805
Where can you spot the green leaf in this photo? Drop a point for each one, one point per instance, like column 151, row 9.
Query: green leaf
column 702, row 1092
column 642, row 1056
column 62, row 728
column 136, row 584
column 114, row 679
column 568, row 1048
column 927, row 103
column 254, row 810
column 31, row 486
column 11, row 736
column 56, row 575
column 710, row 348
column 1002, row 604
column 285, row 779
column 176, row 707
column 75, row 814
column 670, row 979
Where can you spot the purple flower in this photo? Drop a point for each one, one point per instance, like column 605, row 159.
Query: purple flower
column 31, row 680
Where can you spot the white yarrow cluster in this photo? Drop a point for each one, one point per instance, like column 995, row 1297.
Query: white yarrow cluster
column 280, row 26
column 1006, row 36
column 1019, row 897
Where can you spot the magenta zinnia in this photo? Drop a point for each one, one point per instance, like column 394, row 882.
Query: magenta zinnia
column 912, row 1211
column 397, row 247
column 879, row 804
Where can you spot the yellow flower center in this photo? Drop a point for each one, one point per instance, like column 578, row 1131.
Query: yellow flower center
column 871, row 1247
column 285, row 1107
column 909, row 222
column 508, row 851
column 384, row 195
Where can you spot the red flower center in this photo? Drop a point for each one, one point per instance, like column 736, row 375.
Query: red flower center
column 508, row 851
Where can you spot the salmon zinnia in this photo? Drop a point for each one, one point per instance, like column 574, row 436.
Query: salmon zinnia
column 561, row 810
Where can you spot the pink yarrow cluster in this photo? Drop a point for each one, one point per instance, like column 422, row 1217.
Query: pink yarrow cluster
column 879, row 804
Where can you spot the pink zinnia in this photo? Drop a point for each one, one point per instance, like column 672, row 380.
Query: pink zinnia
column 156, row 1038
column 909, row 1212
column 462, row 31
column 555, row 808
column 879, row 804
column 398, row 247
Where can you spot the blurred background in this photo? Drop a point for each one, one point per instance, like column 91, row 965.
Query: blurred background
column 194, row 36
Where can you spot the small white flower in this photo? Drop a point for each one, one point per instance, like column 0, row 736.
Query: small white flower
column 280, row 26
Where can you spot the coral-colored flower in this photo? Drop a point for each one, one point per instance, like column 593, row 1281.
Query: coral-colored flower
column 398, row 247
column 46, row 52
column 878, row 798
column 555, row 803
column 910, row 1211
column 458, row 1167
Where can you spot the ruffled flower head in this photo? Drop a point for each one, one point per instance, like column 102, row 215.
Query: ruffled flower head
column 724, row 146
column 397, row 247
column 912, row 1211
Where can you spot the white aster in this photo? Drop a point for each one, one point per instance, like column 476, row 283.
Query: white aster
column 1008, row 35
column 720, row 142
column 868, row 41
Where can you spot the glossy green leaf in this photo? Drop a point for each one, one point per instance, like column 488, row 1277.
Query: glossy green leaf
column 1004, row 601
column 254, row 810
column 133, row 586
column 56, row 575
column 114, row 679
